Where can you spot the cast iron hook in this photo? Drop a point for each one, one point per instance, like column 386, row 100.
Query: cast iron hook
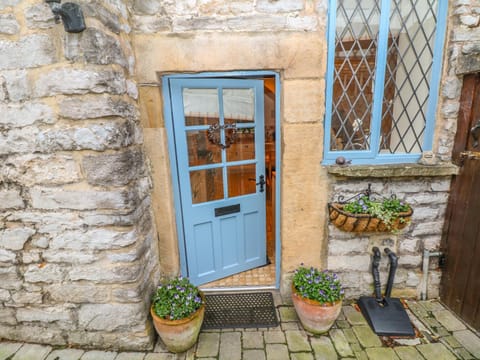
column 70, row 13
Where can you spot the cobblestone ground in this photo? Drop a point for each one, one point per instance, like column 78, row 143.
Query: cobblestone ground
column 443, row 337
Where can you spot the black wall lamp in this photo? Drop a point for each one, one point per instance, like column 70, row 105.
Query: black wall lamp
column 71, row 14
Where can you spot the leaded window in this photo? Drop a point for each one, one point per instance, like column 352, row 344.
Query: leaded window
column 383, row 72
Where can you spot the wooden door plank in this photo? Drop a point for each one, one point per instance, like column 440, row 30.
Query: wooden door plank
column 455, row 250
column 471, row 298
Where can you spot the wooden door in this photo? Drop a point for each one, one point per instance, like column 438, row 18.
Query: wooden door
column 461, row 242
column 218, row 127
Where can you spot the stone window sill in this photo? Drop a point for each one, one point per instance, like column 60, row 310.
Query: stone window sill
column 393, row 170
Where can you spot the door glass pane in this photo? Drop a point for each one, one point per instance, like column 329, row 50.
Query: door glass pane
column 200, row 106
column 238, row 105
column 200, row 150
column 241, row 180
column 244, row 146
column 206, row 185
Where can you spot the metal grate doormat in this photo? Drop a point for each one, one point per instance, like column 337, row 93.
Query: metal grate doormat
column 240, row 311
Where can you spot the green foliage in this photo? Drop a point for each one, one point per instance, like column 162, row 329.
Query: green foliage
column 176, row 299
column 322, row 286
column 386, row 210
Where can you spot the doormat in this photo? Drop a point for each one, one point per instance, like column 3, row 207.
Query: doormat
column 247, row 310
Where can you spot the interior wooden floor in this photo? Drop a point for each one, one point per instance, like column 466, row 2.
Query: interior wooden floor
column 261, row 276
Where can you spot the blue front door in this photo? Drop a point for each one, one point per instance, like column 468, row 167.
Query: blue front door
column 218, row 127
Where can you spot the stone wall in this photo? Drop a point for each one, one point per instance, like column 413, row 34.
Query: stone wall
column 349, row 254
column 78, row 252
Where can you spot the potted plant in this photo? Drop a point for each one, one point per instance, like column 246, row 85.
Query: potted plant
column 364, row 214
column 317, row 298
column 178, row 308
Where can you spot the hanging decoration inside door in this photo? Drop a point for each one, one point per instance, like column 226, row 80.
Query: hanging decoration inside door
column 214, row 131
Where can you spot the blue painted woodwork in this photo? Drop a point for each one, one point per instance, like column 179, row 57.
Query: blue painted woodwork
column 218, row 246
column 373, row 156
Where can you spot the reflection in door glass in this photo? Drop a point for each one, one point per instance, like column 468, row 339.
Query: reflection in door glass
column 241, row 180
column 238, row 105
column 244, row 146
column 200, row 150
column 200, row 106
column 207, row 185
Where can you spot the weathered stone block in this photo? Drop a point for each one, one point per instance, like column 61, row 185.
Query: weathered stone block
column 11, row 199
column 269, row 6
column 106, row 316
column 44, row 314
column 343, row 247
column 20, row 115
column 8, row 24
column 96, row 239
column 69, row 257
column 7, row 316
column 18, row 141
column 25, row 297
column 7, row 257
column 148, row 7
column 151, row 24
column 47, row 273
column 106, row 273
column 9, row 278
column 14, row 239
column 113, row 169
column 28, row 52
column 99, row 137
column 352, row 262
column 14, row 85
column 40, row 16
column 107, row 17
column 57, row 198
column 97, row 47
column 40, row 169
column 257, row 23
column 4, row 295
column 79, row 81
column 6, row 3
column 93, row 107
column 78, row 292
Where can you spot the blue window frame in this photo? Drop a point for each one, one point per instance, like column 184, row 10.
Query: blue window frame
column 383, row 74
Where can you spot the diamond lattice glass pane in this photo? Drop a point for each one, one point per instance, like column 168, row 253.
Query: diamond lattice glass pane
column 357, row 24
column 409, row 63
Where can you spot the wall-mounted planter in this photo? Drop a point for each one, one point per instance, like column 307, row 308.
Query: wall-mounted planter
column 365, row 212
column 346, row 221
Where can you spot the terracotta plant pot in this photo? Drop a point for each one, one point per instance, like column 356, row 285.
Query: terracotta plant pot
column 364, row 222
column 179, row 335
column 315, row 317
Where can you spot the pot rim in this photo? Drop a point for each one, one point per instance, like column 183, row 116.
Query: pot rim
column 314, row 302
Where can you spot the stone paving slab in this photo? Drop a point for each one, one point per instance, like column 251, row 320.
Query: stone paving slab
column 350, row 338
column 32, row 352
column 435, row 351
column 448, row 320
column 7, row 349
column 68, row 354
column 469, row 341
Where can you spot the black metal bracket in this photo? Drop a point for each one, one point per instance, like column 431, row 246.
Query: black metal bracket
column 474, row 131
column 70, row 13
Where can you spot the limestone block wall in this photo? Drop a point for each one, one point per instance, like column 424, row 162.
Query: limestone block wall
column 78, row 252
column 349, row 254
